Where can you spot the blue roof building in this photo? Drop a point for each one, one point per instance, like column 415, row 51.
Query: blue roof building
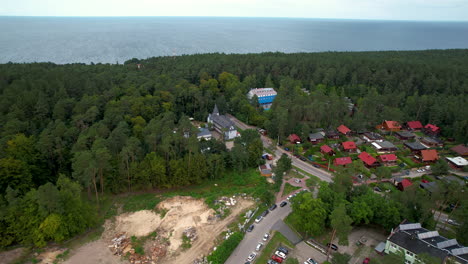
column 265, row 96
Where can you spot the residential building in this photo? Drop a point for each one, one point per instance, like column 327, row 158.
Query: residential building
column 431, row 129
column 204, row 134
column 388, row 159
column 390, row 126
column 372, row 137
column 332, row 134
column 415, row 147
column 432, row 142
column 316, row 138
column 429, row 155
column 457, row 162
column 344, row 130
column 403, row 184
column 349, row 146
column 430, row 187
column 461, row 150
column 412, row 240
column 368, row 160
column 294, row 139
column 222, row 124
column 405, row 135
column 325, row 149
column 414, row 126
column 265, row 96
column 384, row 146
column 342, row 161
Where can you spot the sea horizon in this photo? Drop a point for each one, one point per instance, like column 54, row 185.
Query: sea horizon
column 115, row 39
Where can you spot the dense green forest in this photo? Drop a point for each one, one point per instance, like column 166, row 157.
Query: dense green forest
column 74, row 129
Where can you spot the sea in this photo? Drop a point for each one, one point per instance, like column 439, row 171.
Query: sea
column 116, row 39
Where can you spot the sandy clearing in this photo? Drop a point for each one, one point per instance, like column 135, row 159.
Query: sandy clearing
column 7, row 257
column 95, row 252
column 140, row 223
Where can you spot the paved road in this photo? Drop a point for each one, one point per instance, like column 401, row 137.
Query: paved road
column 251, row 239
column 287, row 232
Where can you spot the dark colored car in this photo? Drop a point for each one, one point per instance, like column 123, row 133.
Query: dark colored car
column 333, row 246
column 284, row 250
column 273, row 207
column 251, row 227
column 277, row 259
column 302, row 158
column 377, row 189
column 283, row 204
column 287, row 149
column 316, row 166
column 270, row 261
column 265, row 213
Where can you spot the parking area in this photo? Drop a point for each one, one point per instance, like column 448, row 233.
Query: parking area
column 359, row 252
column 302, row 252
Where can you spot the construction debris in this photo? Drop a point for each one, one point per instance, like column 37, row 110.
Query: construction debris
column 122, row 246
column 191, row 233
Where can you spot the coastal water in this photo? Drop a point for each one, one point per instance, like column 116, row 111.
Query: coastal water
column 116, row 39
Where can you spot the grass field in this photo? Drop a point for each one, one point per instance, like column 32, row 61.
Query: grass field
column 275, row 241
column 288, row 188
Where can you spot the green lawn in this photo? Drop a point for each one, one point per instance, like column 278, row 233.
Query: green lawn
column 288, row 188
column 275, row 241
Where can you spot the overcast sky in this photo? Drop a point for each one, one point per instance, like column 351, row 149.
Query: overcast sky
column 348, row 9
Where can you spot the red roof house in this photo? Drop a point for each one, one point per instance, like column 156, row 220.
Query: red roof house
column 349, row 146
column 294, row 139
column 388, row 158
column 344, row 130
column 431, row 129
column 461, row 150
column 342, row 161
column 429, row 155
column 325, row 149
column 414, row 125
column 368, row 160
column 391, row 126
column 405, row 183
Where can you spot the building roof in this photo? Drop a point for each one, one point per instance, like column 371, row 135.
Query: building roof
column 430, row 140
column 429, row 186
column 326, row 149
column 384, row 145
column 372, row 136
column 215, row 110
column 405, row 183
column 459, row 161
column 414, row 124
column 317, row 135
column 204, row 132
column 260, row 92
column 349, row 145
column 294, row 137
column 388, row 157
column 405, row 134
column 223, row 121
column 366, row 158
column 344, row 129
column 332, row 133
column 342, row 161
column 460, row 149
column 418, row 240
column 415, row 145
column 429, row 155
column 432, row 127
column 392, row 124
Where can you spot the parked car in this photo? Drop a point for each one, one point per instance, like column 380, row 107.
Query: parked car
column 252, row 256
column 258, row 219
column 265, row 213
column 453, row 222
column 310, row 261
column 366, row 261
column 283, row 204
column 280, row 254
column 273, row 207
column 266, row 236
column 297, row 180
column 333, row 246
column 251, row 227
column 248, row 262
column 270, row 261
column 259, row 246
column 316, row 166
column 377, row 189
column 303, row 159
column 284, row 250
column 287, row 149
column 276, row 258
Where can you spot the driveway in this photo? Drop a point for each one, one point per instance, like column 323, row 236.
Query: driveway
column 250, row 241
column 286, row 231
column 302, row 252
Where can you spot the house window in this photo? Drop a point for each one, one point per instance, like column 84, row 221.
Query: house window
column 407, row 262
column 393, row 246
column 409, row 254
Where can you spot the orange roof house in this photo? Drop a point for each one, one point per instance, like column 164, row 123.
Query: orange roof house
column 368, row 160
column 342, row 161
column 344, row 130
column 390, row 126
column 293, row 138
column 326, row 150
column 388, row 158
column 349, row 146
column 431, row 129
column 414, row 125
column 429, row 155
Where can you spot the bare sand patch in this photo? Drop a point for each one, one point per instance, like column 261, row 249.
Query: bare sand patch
column 140, row 223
